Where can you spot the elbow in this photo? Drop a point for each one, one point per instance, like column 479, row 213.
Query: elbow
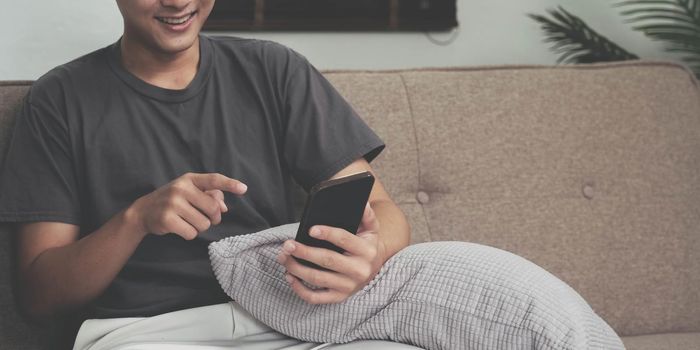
column 35, row 315
column 33, row 306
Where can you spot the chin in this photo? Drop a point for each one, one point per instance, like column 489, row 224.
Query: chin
column 176, row 45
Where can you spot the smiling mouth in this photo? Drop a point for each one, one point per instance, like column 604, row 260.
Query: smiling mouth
column 177, row 20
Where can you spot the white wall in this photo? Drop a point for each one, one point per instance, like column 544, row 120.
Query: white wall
column 38, row 35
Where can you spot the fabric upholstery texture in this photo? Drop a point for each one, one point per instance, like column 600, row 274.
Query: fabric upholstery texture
column 11, row 94
column 590, row 171
column 435, row 295
column 663, row 341
column 15, row 333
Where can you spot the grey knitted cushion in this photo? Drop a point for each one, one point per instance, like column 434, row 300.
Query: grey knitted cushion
column 437, row 295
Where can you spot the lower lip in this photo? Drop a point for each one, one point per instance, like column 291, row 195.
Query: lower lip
column 179, row 27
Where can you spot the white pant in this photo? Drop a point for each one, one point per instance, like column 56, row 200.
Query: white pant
column 213, row 327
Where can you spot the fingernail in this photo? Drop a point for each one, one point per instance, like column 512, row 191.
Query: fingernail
column 289, row 246
column 242, row 187
column 288, row 278
column 315, row 232
column 225, row 206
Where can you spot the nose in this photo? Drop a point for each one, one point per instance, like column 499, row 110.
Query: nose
column 177, row 4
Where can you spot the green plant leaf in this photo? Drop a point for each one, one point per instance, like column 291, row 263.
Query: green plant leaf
column 575, row 42
column 674, row 22
column 656, row 10
column 683, row 21
column 668, row 28
column 658, row 2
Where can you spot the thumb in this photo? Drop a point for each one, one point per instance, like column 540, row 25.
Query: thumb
column 219, row 196
column 369, row 220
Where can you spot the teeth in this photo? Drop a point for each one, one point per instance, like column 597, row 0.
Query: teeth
column 170, row 20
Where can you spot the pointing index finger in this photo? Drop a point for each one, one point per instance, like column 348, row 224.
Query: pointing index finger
column 216, row 181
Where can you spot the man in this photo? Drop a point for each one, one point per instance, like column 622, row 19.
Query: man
column 127, row 162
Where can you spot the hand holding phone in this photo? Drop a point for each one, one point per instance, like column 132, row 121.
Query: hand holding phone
column 338, row 203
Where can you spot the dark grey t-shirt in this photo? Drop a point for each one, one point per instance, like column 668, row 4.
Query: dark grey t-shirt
column 91, row 138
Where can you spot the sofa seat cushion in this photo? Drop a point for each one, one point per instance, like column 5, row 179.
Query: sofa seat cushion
column 668, row 341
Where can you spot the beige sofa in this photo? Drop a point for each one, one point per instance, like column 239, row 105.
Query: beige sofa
column 592, row 172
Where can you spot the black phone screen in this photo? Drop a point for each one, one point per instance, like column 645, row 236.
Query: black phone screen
column 337, row 203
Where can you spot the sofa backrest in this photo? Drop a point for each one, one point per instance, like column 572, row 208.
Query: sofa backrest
column 15, row 332
column 591, row 171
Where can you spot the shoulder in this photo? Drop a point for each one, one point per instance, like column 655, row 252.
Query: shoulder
column 267, row 54
column 62, row 80
column 253, row 47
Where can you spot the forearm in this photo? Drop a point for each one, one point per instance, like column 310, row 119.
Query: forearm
column 77, row 273
column 394, row 230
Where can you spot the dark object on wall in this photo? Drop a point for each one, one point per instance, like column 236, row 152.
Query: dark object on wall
column 675, row 22
column 333, row 15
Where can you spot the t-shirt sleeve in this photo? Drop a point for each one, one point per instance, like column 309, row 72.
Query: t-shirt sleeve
column 37, row 178
column 323, row 133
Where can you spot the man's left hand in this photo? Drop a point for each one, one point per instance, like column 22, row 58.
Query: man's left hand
column 348, row 272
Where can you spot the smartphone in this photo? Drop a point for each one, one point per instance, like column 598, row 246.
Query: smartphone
column 337, row 202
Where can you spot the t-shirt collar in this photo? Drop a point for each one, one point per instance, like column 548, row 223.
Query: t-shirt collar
column 159, row 93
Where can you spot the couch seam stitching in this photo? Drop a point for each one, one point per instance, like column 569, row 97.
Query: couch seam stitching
column 415, row 137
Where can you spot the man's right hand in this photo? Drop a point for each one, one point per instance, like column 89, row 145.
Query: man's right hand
column 185, row 206
column 58, row 269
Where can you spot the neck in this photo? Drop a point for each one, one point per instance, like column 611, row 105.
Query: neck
column 162, row 69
